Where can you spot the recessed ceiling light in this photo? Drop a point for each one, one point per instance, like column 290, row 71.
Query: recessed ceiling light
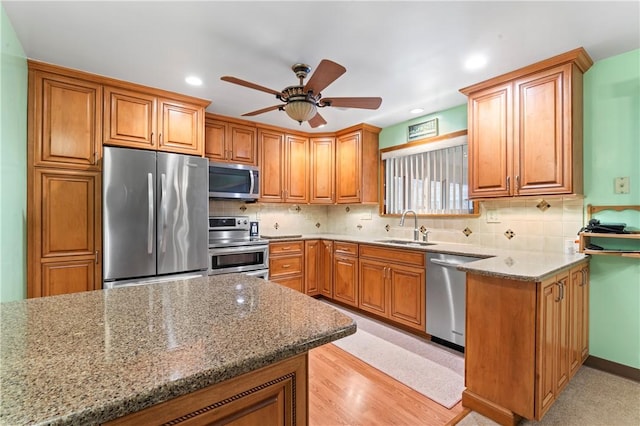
column 475, row 62
column 193, row 80
column 417, row 110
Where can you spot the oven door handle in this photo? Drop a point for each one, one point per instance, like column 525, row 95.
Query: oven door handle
column 237, row 249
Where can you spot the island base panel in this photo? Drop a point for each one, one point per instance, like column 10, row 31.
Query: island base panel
column 489, row 409
column 273, row 395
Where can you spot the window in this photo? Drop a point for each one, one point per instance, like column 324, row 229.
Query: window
column 430, row 178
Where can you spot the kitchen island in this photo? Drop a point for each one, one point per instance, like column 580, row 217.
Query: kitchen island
column 93, row 357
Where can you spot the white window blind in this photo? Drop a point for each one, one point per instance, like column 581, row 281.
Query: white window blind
column 430, row 178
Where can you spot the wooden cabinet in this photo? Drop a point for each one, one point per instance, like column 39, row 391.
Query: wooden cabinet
column 65, row 117
column 230, row 142
column 64, row 232
column 345, row 272
column 273, row 395
column 357, row 165
column 284, row 167
column 322, row 167
column 394, row 289
column 578, row 317
column 547, row 328
column 325, row 281
column 286, row 264
column 525, row 129
column 147, row 120
column 312, row 267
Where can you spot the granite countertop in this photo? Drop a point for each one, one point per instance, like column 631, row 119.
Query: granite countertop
column 89, row 357
column 521, row 265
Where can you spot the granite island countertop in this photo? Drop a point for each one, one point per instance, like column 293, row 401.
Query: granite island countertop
column 519, row 265
column 89, row 357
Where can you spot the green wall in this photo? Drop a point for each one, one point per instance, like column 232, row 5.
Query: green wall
column 612, row 149
column 450, row 120
column 13, row 163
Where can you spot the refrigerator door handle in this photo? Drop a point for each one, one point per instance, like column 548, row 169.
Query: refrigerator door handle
column 150, row 216
column 163, row 208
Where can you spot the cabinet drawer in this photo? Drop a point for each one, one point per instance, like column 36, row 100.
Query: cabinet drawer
column 409, row 257
column 294, row 283
column 341, row 247
column 285, row 265
column 288, row 247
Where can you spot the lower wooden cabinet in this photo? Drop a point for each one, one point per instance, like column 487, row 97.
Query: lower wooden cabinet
column 274, row 395
column 286, row 264
column 325, row 281
column 394, row 290
column 345, row 272
column 65, row 232
column 524, row 341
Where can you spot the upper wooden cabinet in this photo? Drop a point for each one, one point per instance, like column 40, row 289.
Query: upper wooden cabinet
column 357, row 165
column 138, row 119
column 322, row 173
column 65, row 125
column 284, row 170
column 525, row 129
column 230, row 142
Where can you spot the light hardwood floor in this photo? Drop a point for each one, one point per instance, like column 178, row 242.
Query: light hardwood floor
column 343, row 390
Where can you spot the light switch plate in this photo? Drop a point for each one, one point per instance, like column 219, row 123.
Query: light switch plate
column 621, row 185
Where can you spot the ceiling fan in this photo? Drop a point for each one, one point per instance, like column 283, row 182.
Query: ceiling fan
column 301, row 102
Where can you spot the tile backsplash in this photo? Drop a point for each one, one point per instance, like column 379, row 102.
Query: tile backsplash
column 530, row 224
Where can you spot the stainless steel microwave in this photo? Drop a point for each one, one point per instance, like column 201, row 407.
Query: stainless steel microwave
column 234, row 181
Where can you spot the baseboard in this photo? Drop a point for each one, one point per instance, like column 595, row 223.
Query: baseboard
column 613, row 367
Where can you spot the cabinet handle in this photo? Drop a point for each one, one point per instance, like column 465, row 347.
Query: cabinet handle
column 151, row 138
column 286, row 266
column 508, row 183
column 97, row 258
column 517, row 182
column 559, row 284
column 160, row 140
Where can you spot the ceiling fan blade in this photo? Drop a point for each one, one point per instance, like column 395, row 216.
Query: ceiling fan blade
column 317, row 120
column 326, row 73
column 263, row 110
column 364, row 103
column 249, row 84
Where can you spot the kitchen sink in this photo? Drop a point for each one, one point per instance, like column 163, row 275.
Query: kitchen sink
column 406, row 242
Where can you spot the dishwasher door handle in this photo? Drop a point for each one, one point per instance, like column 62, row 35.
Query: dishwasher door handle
column 444, row 263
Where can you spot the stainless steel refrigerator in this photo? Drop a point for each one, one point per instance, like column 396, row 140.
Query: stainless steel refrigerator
column 155, row 216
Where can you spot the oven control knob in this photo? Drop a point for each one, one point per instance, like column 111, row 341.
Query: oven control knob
column 245, row 222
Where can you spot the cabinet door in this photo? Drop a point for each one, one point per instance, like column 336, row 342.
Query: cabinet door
column 579, row 317
column 490, row 142
column 294, row 283
column 242, row 146
column 272, row 160
column 407, row 296
column 553, row 341
column 348, row 168
column 322, row 165
column 66, row 238
column 542, row 161
column 374, row 289
column 345, row 279
column 66, row 119
column 181, row 127
column 326, row 269
column 130, row 118
column 312, row 272
column 297, row 179
column 71, row 276
column 215, row 140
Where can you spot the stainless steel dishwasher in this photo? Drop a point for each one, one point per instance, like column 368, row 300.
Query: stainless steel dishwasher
column 446, row 290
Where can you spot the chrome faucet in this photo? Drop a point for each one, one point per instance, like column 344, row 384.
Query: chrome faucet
column 416, row 233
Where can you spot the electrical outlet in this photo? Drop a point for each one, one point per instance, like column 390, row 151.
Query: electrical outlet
column 366, row 215
column 621, row 185
column 492, row 216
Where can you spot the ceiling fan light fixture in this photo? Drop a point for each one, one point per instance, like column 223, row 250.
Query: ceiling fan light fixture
column 300, row 110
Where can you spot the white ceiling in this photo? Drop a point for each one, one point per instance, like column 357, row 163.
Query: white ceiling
column 409, row 53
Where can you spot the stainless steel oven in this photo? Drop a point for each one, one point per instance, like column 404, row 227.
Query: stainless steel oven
column 232, row 249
